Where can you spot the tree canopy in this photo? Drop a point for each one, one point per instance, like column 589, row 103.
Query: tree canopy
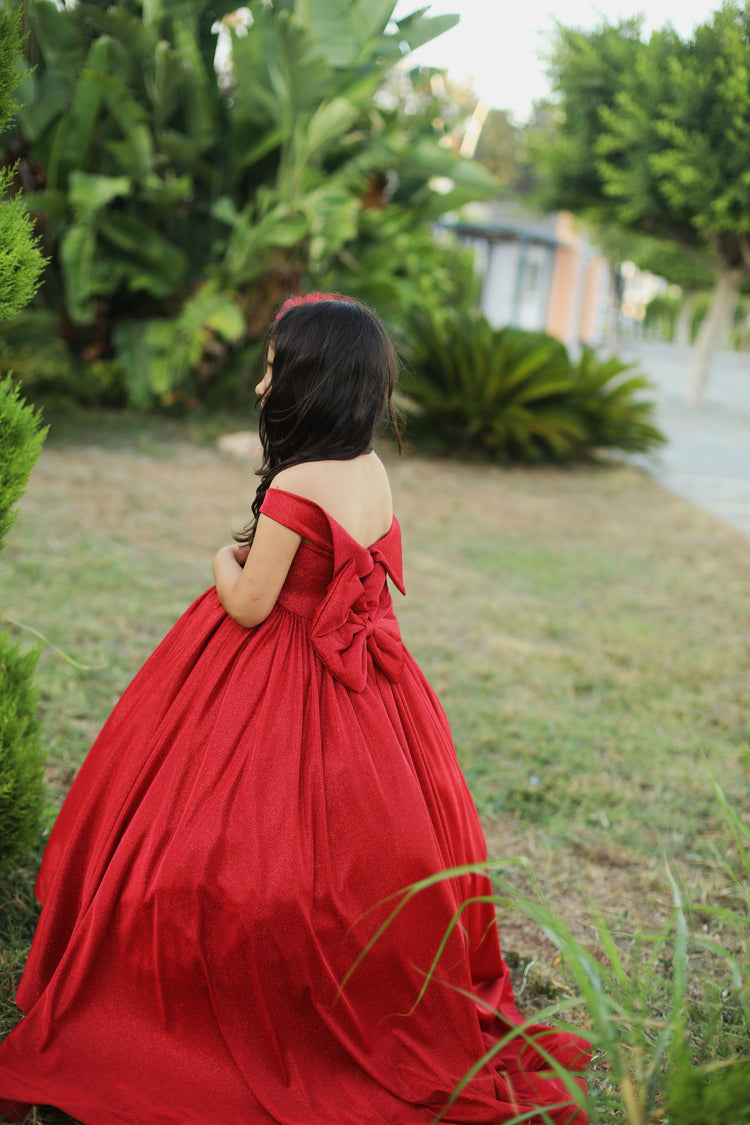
column 653, row 136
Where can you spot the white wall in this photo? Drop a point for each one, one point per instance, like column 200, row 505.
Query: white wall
column 499, row 285
column 516, row 283
column 534, row 288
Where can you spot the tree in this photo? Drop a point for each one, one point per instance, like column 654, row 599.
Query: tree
column 654, row 137
column 501, row 149
column 664, row 259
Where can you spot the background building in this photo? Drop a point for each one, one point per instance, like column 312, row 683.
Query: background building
column 539, row 272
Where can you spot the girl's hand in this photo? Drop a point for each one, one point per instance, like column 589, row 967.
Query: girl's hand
column 232, row 553
column 240, row 551
column 249, row 582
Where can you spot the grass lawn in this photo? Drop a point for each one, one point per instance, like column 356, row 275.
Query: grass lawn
column 587, row 632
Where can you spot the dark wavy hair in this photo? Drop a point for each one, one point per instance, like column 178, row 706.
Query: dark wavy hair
column 333, row 375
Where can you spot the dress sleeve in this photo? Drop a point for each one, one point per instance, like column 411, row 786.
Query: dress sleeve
column 298, row 514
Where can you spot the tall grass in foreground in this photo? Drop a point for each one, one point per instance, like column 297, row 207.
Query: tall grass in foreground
column 667, row 1013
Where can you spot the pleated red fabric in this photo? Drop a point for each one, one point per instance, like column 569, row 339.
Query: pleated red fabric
column 247, row 820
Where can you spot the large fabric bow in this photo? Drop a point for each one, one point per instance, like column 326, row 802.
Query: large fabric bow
column 356, row 618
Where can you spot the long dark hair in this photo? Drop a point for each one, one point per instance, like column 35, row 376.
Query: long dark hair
column 333, row 374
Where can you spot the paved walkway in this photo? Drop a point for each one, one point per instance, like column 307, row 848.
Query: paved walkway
column 707, row 458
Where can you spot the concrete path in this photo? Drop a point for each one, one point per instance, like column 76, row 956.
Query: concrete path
column 707, row 458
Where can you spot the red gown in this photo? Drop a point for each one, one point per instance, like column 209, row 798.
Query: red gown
column 244, row 824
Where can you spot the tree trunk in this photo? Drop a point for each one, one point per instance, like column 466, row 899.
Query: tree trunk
column 683, row 325
column 613, row 331
column 713, row 331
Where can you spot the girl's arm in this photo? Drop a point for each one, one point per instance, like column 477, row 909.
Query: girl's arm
column 248, row 584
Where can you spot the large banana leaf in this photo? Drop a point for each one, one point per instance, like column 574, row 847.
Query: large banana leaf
column 200, row 118
column 58, row 40
column 465, row 180
column 159, row 355
column 311, row 137
column 279, row 70
column 344, row 27
column 89, row 193
column 145, row 350
column 80, row 123
column 417, row 28
column 158, row 266
column 78, row 258
column 46, row 100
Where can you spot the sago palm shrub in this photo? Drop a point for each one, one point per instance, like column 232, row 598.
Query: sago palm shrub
column 500, row 394
column 511, row 395
column 612, row 404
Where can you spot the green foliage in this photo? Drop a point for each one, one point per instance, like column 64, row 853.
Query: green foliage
column 21, row 437
column 511, row 395
column 21, row 778
column 718, row 1094
column 159, row 355
column 656, row 255
column 32, row 350
column 614, row 413
column 661, row 314
column 10, row 76
column 644, row 131
column 653, row 137
column 401, row 269
column 587, row 68
column 21, row 261
column 170, row 181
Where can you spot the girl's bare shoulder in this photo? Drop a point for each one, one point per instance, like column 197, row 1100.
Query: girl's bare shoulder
column 356, row 493
column 310, row 477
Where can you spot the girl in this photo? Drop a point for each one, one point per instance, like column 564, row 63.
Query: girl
column 212, row 945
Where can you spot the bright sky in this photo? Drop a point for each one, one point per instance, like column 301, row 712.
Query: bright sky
column 498, row 44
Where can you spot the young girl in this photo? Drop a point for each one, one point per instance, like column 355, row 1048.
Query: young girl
column 275, row 777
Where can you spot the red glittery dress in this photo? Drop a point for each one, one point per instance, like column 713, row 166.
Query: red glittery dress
column 244, row 824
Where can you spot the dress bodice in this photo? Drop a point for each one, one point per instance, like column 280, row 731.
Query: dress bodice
column 341, row 588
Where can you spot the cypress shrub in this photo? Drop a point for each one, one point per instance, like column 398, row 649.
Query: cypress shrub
column 21, row 437
column 21, row 778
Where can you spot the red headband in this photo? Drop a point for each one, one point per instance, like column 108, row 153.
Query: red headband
column 308, row 299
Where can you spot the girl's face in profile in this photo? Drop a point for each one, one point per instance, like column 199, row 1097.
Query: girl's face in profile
column 263, row 386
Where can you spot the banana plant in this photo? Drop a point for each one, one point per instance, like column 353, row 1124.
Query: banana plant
column 172, row 148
